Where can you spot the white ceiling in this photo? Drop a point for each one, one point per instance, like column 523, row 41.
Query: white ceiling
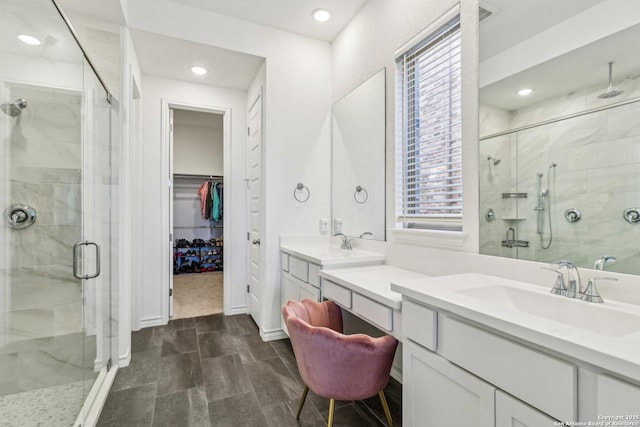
column 585, row 67
column 513, row 22
column 100, row 10
column 581, row 68
column 293, row 16
column 173, row 58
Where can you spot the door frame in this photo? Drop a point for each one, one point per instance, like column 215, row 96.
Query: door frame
column 166, row 250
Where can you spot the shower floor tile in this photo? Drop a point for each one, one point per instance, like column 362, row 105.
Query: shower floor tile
column 47, row 407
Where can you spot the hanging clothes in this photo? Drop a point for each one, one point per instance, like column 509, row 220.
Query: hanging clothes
column 209, row 201
column 215, row 209
column 203, row 192
column 220, row 189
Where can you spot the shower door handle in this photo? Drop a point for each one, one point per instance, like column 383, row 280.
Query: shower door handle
column 76, row 262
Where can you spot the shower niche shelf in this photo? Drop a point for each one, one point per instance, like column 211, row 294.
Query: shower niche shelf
column 514, row 195
column 515, row 243
column 512, row 218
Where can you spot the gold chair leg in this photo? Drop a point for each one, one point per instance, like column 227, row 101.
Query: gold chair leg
column 302, row 399
column 332, row 404
column 383, row 400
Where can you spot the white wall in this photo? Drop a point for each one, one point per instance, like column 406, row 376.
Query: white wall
column 197, row 150
column 297, row 128
column 157, row 89
column 369, row 43
column 130, row 188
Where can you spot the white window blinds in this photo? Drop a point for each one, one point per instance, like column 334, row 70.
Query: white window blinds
column 431, row 193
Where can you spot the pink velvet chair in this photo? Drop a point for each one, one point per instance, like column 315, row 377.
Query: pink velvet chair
column 334, row 365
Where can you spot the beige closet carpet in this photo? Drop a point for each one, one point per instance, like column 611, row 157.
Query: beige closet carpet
column 197, row 294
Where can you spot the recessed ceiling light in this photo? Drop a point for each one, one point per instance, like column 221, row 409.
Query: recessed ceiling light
column 525, row 92
column 321, row 15
column 201, row 71
column 29, row 39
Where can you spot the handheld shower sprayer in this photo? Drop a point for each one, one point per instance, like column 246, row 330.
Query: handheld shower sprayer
column 496, row 161
column 539, row 209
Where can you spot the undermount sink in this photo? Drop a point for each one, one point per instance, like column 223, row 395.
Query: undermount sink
column 597, row 318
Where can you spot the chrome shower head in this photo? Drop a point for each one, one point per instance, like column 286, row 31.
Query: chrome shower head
column 15, row 108
column 611, row 92
column 494, row 160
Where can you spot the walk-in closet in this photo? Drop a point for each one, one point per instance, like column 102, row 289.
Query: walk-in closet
column 198, row 206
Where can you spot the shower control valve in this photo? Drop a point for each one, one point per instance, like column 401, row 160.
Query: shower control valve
column 572, row 215
column 631, row 215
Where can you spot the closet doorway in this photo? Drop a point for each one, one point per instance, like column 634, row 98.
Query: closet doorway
column 196, row 212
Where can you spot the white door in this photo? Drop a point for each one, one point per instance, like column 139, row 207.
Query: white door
column 254, row 175
column 170, row 185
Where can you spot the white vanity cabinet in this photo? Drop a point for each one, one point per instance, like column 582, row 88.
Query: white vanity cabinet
column 299, row 281
column 301, row 266
column 473, row 377
column 616, row 397
column 437, row 393
column 512, row 412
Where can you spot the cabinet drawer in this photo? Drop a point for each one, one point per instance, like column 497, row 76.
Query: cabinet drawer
column 376, row 313
column 299, row 268
column 314, row 278
column 544, row 382
column 284, row 260
column 420, row 324
column 336, row 293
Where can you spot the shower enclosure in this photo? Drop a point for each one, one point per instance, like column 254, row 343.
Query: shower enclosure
column 568, row 188
column 56, row 267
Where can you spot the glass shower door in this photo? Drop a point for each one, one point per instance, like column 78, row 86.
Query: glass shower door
column 92, row 253
column 55, row 201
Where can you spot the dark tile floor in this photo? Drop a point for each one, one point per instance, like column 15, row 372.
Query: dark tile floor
column 217, row 371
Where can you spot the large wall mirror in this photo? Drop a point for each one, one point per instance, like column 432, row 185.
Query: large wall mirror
column 560, row 131
column 358, row 161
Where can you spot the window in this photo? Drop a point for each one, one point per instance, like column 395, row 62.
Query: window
column 431, row 156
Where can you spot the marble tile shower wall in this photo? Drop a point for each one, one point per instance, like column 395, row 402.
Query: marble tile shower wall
column 598, row 172
column 44, row 145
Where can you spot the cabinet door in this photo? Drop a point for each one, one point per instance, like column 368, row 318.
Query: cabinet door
column 289, row 288
column 511, row 412
column 437, row 393
column 615, row 397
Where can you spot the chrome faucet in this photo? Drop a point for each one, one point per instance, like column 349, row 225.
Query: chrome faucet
column 574, row 285
column 366, row 233
column 346, row 243
column 602, row 261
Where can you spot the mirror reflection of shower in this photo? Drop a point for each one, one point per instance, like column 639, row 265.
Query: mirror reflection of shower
column 14, row 109
column 542, row 194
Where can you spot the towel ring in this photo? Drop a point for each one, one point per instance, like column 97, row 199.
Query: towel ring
column 359, row 189
column 301, row 187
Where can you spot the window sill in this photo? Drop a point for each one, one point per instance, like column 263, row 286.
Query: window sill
column 451, row 240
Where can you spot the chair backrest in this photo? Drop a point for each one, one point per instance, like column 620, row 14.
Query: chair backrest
column 334, row 365
column 325, row 314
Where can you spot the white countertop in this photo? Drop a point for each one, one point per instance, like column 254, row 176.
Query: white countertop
column 372, row 281
column 581, row 330
column 331, row 256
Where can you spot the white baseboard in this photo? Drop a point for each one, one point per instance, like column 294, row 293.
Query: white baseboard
column 276, row 334
column 125, row 359
column 150, row 322
column 236, row 310
column 396, row 373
